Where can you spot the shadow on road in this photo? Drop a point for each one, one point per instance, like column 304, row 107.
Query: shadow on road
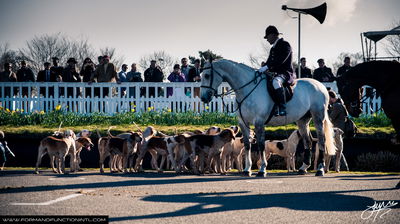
column 152, row 178
column 127, row 183
column 231, row 201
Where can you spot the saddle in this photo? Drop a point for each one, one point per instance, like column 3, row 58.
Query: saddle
column 287, row 87
column 288, row 90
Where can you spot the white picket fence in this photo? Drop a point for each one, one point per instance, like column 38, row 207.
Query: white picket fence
column 31, row 97
column 37, row 97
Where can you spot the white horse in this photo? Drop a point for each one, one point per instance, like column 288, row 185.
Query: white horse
column 310, row 100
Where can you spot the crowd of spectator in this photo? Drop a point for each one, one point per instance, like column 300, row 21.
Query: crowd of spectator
column 322, row 73
column 105, row 71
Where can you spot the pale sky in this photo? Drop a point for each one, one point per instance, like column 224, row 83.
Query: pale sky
column 231, row 28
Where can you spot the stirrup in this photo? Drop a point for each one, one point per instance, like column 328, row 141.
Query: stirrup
column 282, row 110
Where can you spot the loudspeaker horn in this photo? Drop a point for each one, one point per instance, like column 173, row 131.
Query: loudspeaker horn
column 318, row 12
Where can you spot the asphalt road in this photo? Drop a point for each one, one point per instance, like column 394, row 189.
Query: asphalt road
column 168, row 198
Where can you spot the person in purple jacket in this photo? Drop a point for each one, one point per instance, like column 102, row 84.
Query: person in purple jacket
column 175, row 76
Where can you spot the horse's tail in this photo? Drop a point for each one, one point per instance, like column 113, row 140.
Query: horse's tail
column 329, row 141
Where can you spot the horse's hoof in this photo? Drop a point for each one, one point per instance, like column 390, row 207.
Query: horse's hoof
column 80, row 170
column 160, row 171
column 247, row 173
column 319, row 173
column 302, row 172
column 223, row 174
column 36, row 172
column 261, row 174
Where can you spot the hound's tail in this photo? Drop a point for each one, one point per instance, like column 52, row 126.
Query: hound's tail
column 98, row 133
column 108, row 131
column 330, row 147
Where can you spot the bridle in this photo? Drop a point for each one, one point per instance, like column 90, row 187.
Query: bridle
column 239, row 103
column 211, row 67
column 357, row 102
column 212, row 78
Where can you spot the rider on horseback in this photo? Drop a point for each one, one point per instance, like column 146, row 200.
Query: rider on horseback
column 279, row 64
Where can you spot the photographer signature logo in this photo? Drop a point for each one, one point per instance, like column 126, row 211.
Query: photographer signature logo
column 379, row 208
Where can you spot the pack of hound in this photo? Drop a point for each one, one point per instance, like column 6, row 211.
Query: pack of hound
column 214, row 150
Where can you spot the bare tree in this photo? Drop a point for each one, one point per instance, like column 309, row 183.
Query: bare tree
column 42, row 48
column 355, row 58
column 393, row 42
column 256, row 58
column 164, row 60
column 9, row 56
column 81, row 49
column 112, row 53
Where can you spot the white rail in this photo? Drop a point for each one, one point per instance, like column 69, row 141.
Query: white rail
column 84, row 98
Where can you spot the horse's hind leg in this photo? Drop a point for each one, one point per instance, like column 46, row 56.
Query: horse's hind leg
column 304, row 130
column 318, row 122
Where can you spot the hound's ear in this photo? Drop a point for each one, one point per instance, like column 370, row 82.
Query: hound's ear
column 80, row 140
column 228, row 134
column 236, row 130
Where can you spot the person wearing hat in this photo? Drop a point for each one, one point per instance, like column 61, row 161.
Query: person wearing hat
column 105, row 72
column 154, row 74
column 47, row 75
column 25, row 74
column 280, row 63
column 71, row 75
column 323, row 73
column 7, row 76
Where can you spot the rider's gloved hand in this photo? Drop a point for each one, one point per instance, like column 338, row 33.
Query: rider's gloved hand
column 263, row 69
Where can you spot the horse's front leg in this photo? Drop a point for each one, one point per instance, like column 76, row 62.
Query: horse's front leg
column 247, row 151
column 261, row 146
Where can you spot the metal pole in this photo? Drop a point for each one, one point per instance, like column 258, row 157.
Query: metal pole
column 362, row 46
column 298, row 56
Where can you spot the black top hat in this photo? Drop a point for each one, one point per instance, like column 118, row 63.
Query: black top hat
column 271, row 30
column 72, row 60
column 55, row 58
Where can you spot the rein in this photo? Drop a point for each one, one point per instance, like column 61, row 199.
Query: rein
column 222, row 95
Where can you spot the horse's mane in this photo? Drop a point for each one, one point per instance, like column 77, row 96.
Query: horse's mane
column 240, row 65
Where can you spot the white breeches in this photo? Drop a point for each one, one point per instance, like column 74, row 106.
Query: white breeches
column 277, row 82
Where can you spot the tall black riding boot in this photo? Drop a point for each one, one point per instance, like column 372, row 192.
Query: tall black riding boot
column 280, row 93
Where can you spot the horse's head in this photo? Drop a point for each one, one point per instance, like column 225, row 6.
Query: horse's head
column 351, row 95
column 210, row 81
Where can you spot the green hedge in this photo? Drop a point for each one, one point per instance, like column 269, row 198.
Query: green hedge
column 151, row 117
column 53, row 119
